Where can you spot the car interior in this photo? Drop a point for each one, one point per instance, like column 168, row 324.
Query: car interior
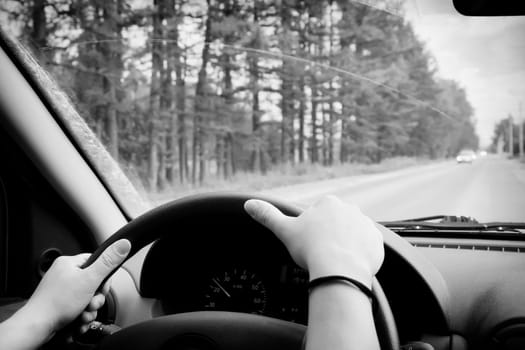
column 453, row 292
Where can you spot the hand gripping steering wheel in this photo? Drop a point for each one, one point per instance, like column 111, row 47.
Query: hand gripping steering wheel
column 217, row 330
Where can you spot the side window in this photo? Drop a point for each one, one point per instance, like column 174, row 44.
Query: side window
column 36, row 225
column 11, row 298
column 3, row 236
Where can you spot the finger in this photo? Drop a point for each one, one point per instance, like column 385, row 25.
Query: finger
column 88, row 316
column 76, row 260
column 96, row 302
column 106, row 287
column 267, row 215
column 110, row 259
column 82, row 257
column 84, row 328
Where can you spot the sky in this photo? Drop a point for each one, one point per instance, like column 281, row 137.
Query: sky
column 486, row 55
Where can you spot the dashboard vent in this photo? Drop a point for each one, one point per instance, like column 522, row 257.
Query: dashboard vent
column 491, row 248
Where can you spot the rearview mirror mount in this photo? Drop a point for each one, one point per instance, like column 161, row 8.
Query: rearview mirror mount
column 490, row 7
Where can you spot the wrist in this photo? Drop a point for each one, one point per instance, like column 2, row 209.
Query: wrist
column 36, row 320
column 25, row 330
column 340, row 263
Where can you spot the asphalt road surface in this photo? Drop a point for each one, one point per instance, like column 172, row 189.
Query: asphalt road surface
column 490, row 189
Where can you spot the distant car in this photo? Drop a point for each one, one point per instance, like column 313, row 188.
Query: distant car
column 466, row 156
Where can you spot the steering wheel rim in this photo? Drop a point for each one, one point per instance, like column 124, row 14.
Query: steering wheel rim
column 157, row 223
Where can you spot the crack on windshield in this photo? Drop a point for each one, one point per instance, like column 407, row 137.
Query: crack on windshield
column 299, row 59
column 394, row 8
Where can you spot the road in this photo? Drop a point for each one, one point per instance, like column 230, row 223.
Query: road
column 490, row 189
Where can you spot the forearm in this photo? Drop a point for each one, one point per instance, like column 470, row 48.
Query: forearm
column 23, row 331
column 340, row 317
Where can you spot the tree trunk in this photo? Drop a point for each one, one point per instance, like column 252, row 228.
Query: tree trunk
column 231, row 142
column 39, row 29
column 112, row 123
column 291, row 136
column 181, row 118
column 286, row 84
column 286, row 111
column 342, row 145
column 113, row 58
column 331, row 89
column 228, row 100
column 227, row 157
column 313, row 142
column 219, row 155
column 200, row 101
column 177, row 148
column 171, row 148
column 162, row 149
column 154, row 102
column 324, row 132
column 168, row 95
column 300, row 141
column 254, row 69
column 194, row 150
column 331, row 133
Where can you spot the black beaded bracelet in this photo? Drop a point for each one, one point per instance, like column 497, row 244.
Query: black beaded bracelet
column 335, row 278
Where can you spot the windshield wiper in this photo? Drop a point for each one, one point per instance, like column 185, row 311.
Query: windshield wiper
column 453, row 223
column 443, row 219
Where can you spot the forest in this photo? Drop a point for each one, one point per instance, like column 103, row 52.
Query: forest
column 501, row 136
column 181, row 91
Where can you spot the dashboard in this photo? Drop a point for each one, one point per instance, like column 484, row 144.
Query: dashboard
column 222, row 265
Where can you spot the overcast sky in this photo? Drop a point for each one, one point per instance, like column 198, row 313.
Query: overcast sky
column 485, row 55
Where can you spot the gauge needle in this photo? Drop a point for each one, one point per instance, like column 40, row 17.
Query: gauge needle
column 221, row 287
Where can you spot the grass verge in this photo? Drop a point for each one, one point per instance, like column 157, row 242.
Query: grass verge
column 282, row 176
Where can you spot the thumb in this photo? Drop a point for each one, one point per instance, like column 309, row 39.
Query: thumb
column 267, row 215
column 110, row 259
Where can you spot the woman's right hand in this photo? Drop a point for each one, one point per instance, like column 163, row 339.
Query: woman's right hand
column 329, row 238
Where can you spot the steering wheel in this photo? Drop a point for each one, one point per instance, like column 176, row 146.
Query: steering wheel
column 215, row 330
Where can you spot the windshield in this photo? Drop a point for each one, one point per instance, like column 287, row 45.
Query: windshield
column 369, row 100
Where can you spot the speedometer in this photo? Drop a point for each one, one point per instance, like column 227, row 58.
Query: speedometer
column 238, row 290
